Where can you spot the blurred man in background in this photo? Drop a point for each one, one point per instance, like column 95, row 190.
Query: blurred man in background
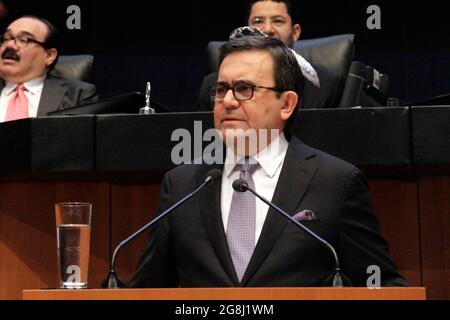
column 275, row 18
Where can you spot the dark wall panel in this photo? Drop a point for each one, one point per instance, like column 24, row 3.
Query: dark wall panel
column 166, row 41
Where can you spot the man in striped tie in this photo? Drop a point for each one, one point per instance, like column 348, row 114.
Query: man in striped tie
column 224, row 238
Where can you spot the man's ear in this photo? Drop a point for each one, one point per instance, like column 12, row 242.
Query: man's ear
column 289, row 103
column 52, row 54
column 297, row 31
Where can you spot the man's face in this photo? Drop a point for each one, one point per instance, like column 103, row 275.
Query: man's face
column 265, row 110
column 274, row 19
column 18, row 65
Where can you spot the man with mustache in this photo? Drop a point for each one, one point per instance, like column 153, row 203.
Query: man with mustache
column 275, row 18
column 28, row 52
column 223, row 238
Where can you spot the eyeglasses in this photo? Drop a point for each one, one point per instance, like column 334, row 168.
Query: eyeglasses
column 20, row 41
column 241, row 91
column 246, row 31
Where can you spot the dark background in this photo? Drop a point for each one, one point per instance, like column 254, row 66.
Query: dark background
column 165, row 42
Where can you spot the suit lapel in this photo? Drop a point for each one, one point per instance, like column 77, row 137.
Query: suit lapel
column 210, row 210
column 296, row 176
column 52, row 94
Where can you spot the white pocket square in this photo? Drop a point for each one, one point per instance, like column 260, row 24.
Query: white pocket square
column 305, row 215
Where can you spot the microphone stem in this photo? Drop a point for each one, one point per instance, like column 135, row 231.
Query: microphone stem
column 148, row 225
column 312, row 234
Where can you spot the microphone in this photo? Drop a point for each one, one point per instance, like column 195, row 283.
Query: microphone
column 147, row 109
column 337, row 279
column 113, row 281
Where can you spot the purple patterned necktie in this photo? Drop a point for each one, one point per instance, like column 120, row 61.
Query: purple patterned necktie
column 241, row 222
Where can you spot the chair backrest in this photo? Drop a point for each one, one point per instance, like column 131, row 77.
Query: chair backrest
column 364, row 87
column 78, row 67
column 335, row 52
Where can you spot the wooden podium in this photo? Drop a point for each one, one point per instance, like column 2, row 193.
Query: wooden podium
column 230, row 294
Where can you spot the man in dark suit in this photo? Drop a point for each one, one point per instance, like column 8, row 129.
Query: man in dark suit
column 275, row 18
column 28, row 52
column 221, row 239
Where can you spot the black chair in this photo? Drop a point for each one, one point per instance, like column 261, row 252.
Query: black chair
column 78, row 67
column 334, row 52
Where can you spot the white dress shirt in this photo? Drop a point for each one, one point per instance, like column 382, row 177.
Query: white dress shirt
column 33, row 93
column 266, row 176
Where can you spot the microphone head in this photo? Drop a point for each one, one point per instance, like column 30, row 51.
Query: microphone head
column 240, row 185
column 213, row 176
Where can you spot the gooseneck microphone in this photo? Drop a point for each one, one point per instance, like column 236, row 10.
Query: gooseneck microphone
column 337, row 278
column 113, row 281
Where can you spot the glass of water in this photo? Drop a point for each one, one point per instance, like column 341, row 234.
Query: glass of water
column 73, row 234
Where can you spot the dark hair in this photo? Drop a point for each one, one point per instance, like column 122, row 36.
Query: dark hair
column 289, row 7
column 52, row 40
column 287, row 73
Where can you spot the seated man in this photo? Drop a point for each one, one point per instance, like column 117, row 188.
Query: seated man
column 274, row 18
column 224, row 238
column 28, row 52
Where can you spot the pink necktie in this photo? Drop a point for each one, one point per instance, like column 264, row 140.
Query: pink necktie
column 18, row 105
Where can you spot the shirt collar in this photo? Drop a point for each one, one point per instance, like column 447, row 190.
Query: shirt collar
column 32, row 86
column 269, row 159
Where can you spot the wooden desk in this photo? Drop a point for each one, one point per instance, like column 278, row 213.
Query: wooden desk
column 230, row 294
